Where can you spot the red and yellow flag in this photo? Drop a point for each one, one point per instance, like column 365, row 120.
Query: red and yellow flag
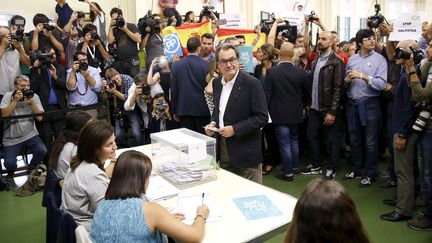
column 188, row 30
column 249, row 35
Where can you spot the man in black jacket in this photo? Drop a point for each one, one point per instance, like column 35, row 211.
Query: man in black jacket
column 48, row 80
column 327, row 88
column 287, row 89
column 240, row 111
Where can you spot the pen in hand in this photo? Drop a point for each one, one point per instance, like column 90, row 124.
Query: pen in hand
column 202, row 199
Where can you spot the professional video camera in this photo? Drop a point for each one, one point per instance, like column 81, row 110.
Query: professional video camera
column 43, row 57
column 289, row 32
column 377, row 19
column 148, row 21
column 27, row 93
column 120, row 22
column 417, row 53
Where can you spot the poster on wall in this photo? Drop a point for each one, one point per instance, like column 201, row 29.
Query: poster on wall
column 407, row 26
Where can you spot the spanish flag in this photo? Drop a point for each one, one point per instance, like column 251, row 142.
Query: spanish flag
column 188, row 30
column 249, row 35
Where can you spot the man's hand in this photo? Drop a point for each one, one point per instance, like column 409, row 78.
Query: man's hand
column 227, row 131
column 53, row 72
column 385, row 29
column 329, row 119
column 18, row 95
column 209, row 129
column 75, row 66
column 6, row 40
column 400, row 143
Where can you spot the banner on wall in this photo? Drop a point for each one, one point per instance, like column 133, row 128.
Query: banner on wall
column 407, row 26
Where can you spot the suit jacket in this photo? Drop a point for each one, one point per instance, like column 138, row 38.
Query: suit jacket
column 187, row 87
column 246, row 111
column 40, row 84
column 287, row 89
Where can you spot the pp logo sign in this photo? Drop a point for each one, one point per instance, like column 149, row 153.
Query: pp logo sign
column 172, row 45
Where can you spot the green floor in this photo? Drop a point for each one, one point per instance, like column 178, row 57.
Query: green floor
column 23, row 219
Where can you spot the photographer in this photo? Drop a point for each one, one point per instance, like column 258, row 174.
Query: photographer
column 17, row 28
column 11, row 55
column 118, row 86
column 70, row 38
column 152, row 39
column 169, row 10
column 125, row 36
column 92, row 45
column 48, row 81
column 161, row 117
column 46, row 36
column 423, row 95
column 19, row 133
column 83, row 83
column 140, row 94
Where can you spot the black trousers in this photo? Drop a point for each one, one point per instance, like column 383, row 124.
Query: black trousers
column 195, row 123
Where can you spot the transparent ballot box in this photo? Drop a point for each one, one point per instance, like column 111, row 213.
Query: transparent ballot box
column 185, row 158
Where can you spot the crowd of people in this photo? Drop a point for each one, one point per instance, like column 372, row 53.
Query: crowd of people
column 366, row 95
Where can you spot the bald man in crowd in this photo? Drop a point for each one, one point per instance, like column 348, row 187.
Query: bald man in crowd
column 287, row 89
column 325, row 114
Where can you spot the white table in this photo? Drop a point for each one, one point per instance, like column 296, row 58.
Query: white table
column 233, row 226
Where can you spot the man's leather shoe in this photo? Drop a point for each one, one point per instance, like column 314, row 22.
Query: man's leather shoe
column 391, row 202
column 284, row 177
column 395, row 217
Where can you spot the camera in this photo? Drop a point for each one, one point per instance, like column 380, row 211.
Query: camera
column 289, row 32
column 207, row 11
column 145, row 89
column 422, row 121
column 417, row 53
column 120, row 22
column 377, row 19
column 43, row 57
column 80, row 14
column 148, row 21
column 83, row 66
column 18, row 36
column 94, row 36
column 50, row 26
column 118, row 115
column 160, row 105
column 111, row 84
column 311, row 17
column 27, row 93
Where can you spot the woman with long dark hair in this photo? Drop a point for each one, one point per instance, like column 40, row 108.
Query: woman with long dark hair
column 86, row 182
column 127, row 216
column 325, row 213
column 65, row 146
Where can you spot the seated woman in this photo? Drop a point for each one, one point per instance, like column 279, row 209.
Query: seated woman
column 86, row 182
column 126, row 215
column 325, row 213
column 65, row 146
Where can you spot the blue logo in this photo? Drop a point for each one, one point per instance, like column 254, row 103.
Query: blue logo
column 172, row 45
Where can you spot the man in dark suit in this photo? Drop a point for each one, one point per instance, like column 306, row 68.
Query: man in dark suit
column 287, row 88
column 48, row 80
column 187, row 89
column 240, row 111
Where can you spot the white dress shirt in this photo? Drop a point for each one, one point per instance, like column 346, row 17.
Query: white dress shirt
column 227, row 87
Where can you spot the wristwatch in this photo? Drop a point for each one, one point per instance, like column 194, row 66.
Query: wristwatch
column 400, row 135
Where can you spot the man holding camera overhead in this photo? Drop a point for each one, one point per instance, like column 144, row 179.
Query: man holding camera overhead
column 22, row 132
column 151, row 37
column 124, row 36
column 83, row 83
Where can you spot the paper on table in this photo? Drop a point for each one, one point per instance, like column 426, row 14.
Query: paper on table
column 159, row 189
column 188, row 203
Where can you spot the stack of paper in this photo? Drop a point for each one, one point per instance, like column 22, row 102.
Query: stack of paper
column 159, row 189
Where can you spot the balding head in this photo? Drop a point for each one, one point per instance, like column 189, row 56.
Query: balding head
column 406, row 44
column 286, row 51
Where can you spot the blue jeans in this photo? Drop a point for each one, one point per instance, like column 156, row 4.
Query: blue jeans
column 315, row 124
column 426, row 143
column 365, row 138
column 287, row 137
column 134, row 119
column 38, row 150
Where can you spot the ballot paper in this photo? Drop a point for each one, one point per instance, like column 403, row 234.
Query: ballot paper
column 160, row 189
column 188, row 203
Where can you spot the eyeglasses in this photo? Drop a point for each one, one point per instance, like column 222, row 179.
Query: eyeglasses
column 231, row 61
column 369, row 38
